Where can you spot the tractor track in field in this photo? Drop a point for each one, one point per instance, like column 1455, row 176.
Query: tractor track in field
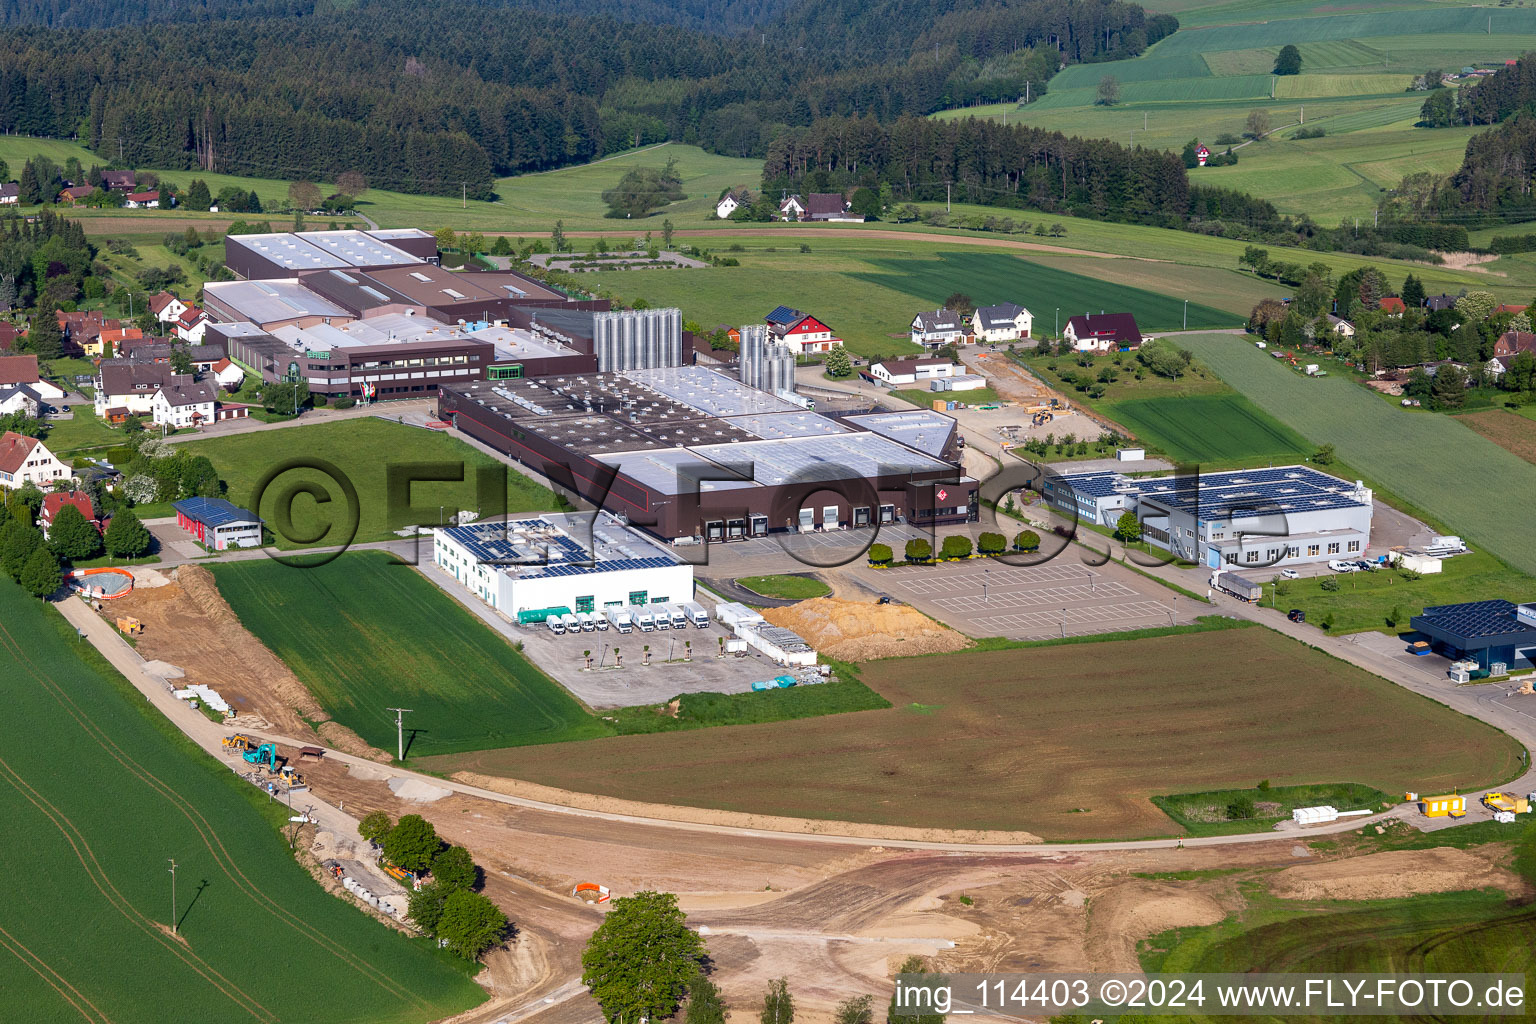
column 103, row 883
column 60, row 984
column 206, row 833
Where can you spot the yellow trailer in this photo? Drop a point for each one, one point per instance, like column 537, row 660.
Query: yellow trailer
column 1453, row 805
column 1507, row 802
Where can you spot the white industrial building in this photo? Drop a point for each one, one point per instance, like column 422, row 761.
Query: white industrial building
column 1286, row 515
column 526, row 567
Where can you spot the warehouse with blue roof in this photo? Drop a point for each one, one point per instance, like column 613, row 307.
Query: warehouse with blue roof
column 581, row 563
column 1487, row 632
column 1284, row 515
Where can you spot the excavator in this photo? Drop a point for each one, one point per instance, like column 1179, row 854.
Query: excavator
column 267, row 752
column 240, row 742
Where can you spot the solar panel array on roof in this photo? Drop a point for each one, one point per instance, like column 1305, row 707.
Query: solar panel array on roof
column 783, row 315
column 1476, row 619
column 544, row 547
column 1218, row 495
column 214, row 511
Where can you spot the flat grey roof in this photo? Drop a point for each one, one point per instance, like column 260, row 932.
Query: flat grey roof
column 787, row 424
column 357, row 248
column 926, row 431
column 671, row 470
column 288, row 250
column 863, row 456
column 710, row 392
column 265, row 301
column 386, row 234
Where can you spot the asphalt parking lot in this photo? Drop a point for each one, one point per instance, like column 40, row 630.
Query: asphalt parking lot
column 982, row 597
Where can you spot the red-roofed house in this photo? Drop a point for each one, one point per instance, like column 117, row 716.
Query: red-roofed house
column 1105, row 332
column 227, row 375
column 1512, row 342
column 23, row 370
column 166, row 307
column 54, row 502
column 801, row 331
column 1510, row 307
column 191, row 325
column 1392, row 304
column 143, row 200
column 8, row 335
column 26, row 460
column 114, row 342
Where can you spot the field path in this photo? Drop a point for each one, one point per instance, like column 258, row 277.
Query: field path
column 905, row 236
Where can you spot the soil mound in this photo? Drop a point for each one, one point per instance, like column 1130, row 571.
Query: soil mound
column 1394, row 875
column 1128, row 913
column 863, row 631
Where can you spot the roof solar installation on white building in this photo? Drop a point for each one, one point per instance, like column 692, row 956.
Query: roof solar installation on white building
column 1254, row 517
column 578, row 563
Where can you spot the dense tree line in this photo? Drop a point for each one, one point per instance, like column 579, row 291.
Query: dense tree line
column 432, row 99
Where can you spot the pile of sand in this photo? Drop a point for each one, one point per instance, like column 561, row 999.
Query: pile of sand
column 861, row 631
column 1127, row 913
column 1393, row 875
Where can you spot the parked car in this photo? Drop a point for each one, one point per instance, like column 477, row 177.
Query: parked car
column 1338, row 566
column 1289, row 574
column 1296, row 615
column 1365, row 565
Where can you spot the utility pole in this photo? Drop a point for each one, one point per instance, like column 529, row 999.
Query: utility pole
column 463, row 196
column 1143, row 120
column 399, row 731
column 1186, row 314
column 174, row 927
column 946, row 197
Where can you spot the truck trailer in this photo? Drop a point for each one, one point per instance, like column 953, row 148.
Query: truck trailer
column 1243, row 589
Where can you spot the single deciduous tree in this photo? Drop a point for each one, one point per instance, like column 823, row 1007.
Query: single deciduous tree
column 471, row 924
column 1128, row 527
column 919, row 550
column 18, row 540
column 838, row 362
column 304, row 195
column 40, row 574
column 955, row 547
column 1027, row 540
column 858, row 1010
column 1109, row 91
column 72, row 536
column 705, row 1006
column 425, row 905
column 412, row 843
column 1288, row 60
column 641, row 958
column 454, row 868
column 375, row 826
column 880, row 554
column 913, row 965
column 778, row 1004
column 351, row 183
column 126, row 537
column 1258, row 123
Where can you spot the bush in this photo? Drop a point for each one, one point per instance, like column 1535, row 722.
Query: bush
column 955, row 548
column 992, row 543
column 1241, row 808
column 1329, row 583
column 318, row 400
column 880, row 554
column 1027, row 540
column 345, row 402
column 919, row 550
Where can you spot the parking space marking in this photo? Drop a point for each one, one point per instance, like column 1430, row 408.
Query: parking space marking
column 1096, row 614
column 934, row 583
column 1002, row 598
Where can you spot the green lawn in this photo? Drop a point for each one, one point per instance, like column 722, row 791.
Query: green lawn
column 925, row 399
column 367, row 450
column 790, row 588
column 1209, row 429
column 1435, row 463
column 1213, row 813
column 366, row 632
column 1368, row 600
column 90, row 938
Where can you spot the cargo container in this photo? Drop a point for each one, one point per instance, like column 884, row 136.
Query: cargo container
column 697, row 614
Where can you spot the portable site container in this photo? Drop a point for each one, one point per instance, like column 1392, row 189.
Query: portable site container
column 1440, row 806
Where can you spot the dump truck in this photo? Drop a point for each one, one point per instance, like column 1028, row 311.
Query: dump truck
column 696, row 614
column 1237, row 586
column 620, row 618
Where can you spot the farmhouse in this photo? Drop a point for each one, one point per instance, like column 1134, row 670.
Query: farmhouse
column 687, row 452
column 528, row 567
column 1287, row 515
column 1006, row 321
column 26, row 460
column 10, row 193
column 143, row 200
column 801, row 331
column 1511, row 343
column 937, row 329
column 183, row 405
column 1484, row 631
column 791, row 209
column 1107, row 332
column 896, row 372
column 122, row 181
column 733, row 200
column 75, row 194
column 1391, row 304
column 218, row 525
column 126, row 389
column 1338, row 325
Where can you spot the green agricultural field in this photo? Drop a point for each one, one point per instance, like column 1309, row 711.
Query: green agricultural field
column 367, row 632
column 1209, row 429
column 1429, row 460
column 98, row 793
column 985, row 278
column 366, row 449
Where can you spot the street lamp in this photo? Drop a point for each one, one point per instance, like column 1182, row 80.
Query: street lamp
column 984, row 574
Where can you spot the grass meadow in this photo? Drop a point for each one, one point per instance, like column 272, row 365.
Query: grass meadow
column 98, row 791
column 367, row 450
column 1432, row 461
column 1209, row 429
column 411, row 646
column 1108, row 725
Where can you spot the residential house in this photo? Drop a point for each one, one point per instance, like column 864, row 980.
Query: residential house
column 1436, row 303
column 227, row 375
column 116, row 341
column 732, row 201
column 1338, row 325
column 1510, row 307
column 152, row 350
column 166, row 307
column 183, row 405
column 82, row 332
column 8, row 335
column 800, row 331
column 20, row 398
column 10, row 193
column 126, row 389
column 1512, row 342
column 730, row 332
column 75, row 194
column 25, row 460
column 22, row 369
column 898, row 372
column 120, row 181
column 54, row 503
column 1391, row 305
column 1106, row 332
column 1006, row 321
column 937, row 329
column 143, row 200
column 792, row 209
column 191, row 325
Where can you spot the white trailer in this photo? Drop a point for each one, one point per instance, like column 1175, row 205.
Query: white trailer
column 696, row 614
